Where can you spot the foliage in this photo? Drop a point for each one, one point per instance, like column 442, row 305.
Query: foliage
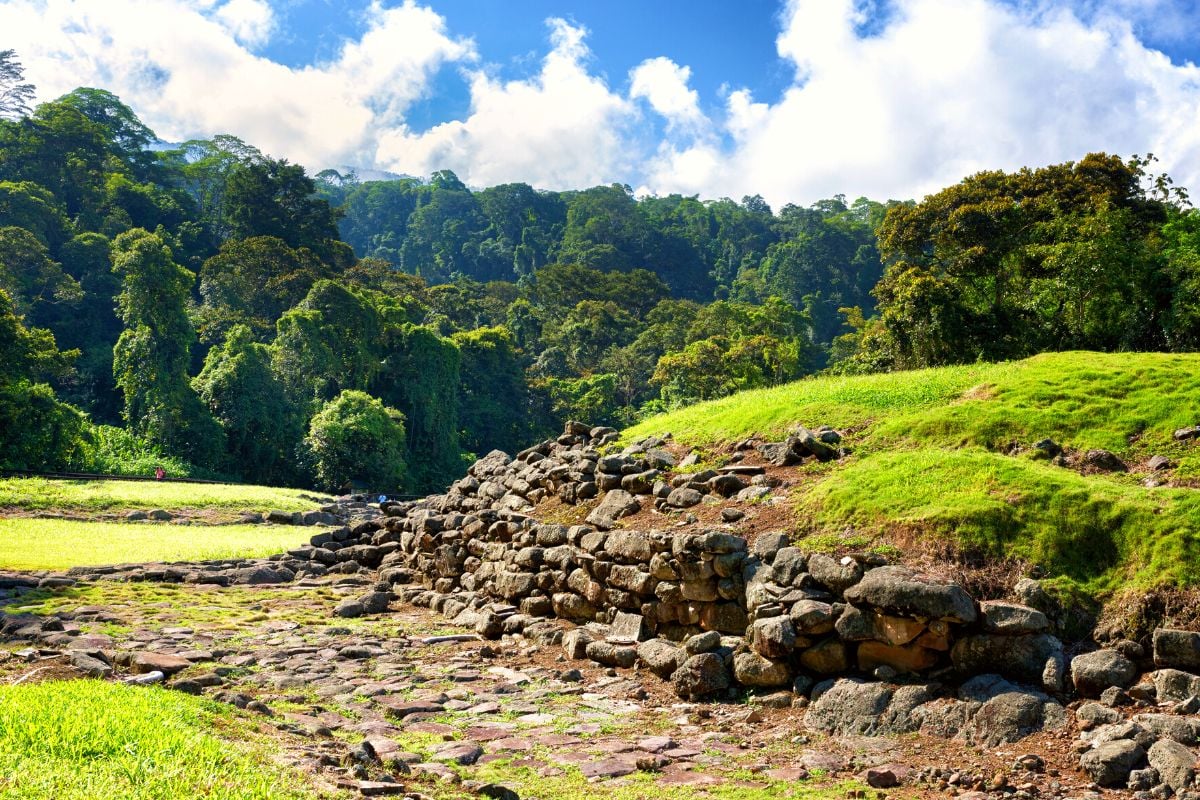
column 14, row 94
column 355, row 439
column 262, row 429
column 151, row 357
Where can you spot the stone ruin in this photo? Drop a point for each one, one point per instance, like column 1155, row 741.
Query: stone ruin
column 858, row 645
column 865, row 647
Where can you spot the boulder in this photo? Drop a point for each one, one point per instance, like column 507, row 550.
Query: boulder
column 837, row 574
column 812, row 617
column 611, row 655
column 849, row 707
column 661, row 657
column 773, row 637
column 1175, row 686
column 616, row 504
column 701, row 676
column 1109, row 764
column 752, row 669
column 1023, row 658
column 628, row 628
column 1177, row 648
column 1104, row 460
column 1092, row 673
column 684, row 497
column 789, row 564
column 1011, row 618
column 898, row 590
column 1175, row 764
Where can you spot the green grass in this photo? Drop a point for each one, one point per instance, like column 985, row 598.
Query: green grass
column 39, row 494
column 928, row 458
column 80, row 740
column 27, row 543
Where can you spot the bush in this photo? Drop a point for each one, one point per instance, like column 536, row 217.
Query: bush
column 356, row 439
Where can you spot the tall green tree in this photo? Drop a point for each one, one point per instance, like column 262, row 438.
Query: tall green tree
column 151, row 357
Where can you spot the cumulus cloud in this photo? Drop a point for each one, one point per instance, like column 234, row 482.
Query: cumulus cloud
column 250, row 21
column 664, row 85
column 944, row 90
column 563, row 127
column 186, row 69
column 938, row 90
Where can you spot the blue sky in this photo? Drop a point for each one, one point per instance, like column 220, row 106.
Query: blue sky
column 726, row 42
column 792, row 99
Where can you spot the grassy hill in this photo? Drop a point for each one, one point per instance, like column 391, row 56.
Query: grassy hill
column 947, row 454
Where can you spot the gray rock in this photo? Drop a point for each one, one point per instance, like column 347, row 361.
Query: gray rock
column 1009, row 717
column 767, row 545
column 616, row 504
column 661, row 657
column 1094, row 714
column 1021, row 658
column 848, row 707
column 612, row 655
column 752, row 669
column 789, row 564
column 898, row 590
column 1011, row 618
column 1177, row 648
column 838, row 575
column 628, row 628
column 1094, row 672
column 1104, row 460
column 773, row 637
column 575, row 642
column 1033, row 594
column 1109, row 764
column 702, row 643
column 1175, row 686
column 1175, row 764
column 1185, row 730
column 684, row 497
column 89, row 664
column 349, row 608
column 701, row 676
column 812, row 617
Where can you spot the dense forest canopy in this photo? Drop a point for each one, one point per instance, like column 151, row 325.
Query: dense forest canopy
column 214, row 309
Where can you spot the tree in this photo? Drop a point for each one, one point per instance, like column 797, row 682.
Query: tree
column 356, row 439
column 36, row 430
column 15, row 95
column 275, row 198
column 150, row 359
column 493, row 407
column 262, row 429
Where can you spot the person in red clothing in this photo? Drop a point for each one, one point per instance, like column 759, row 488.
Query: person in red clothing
column 159, row 473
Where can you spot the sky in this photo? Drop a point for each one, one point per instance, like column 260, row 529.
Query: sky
column 795, row 100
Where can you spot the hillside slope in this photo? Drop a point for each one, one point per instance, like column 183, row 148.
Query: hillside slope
column 946, row 458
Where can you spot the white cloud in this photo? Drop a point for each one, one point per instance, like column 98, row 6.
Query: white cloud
column 561, row 128
column 180, row 67
column 664, row 85
column 943, row 89
column 250, row 21
column 946, row 89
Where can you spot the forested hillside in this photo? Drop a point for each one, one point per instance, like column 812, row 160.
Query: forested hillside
column 211, row 308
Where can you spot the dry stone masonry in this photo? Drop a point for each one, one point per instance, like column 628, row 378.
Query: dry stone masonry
column 860, row 646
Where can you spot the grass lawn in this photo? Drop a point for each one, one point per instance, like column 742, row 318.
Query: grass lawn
column 81, row 740
column 929, row 457
column 27, row 543
column 40, row 493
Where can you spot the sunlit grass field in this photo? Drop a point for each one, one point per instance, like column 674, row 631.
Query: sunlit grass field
column 930, row 456
column 80, row 740
column 40, row 494
column 35, row 544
